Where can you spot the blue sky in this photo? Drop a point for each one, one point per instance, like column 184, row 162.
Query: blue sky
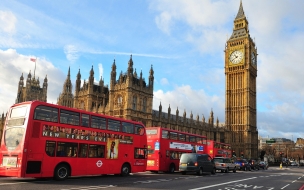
column 183, row 40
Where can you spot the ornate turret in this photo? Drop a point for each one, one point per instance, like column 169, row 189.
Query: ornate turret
column 151, row 77
column 91, row 78
column 130, row 66
column 78, row 83
column 113, row 75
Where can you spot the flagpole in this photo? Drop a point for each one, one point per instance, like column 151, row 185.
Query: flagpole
column 35, row 67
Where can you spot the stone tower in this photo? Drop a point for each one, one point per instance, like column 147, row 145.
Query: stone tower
column 91, row 97
column 66, row 96
column 241, row 73
column 130, row 97
column 32, row 90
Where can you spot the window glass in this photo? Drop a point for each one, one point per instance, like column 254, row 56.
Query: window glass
column 98, row 122
column 182, row 137
column 199, row 140
column 165, row 134
column 173, row 136
column 140, row 153
column 66, row 149
column 69, row 117
column 12, row 137
column 96, row 151
column 127, row 127
column 187, row 138
column 192, row 139
column 85, row 120
column 113, row 125
column 139, row 130
column 83, row 150
column 18, row 112
column 46, row 113
column 50, row 148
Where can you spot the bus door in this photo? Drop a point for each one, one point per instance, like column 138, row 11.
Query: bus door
column 94, row 163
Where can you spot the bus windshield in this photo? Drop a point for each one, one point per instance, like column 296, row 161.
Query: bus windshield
column 13, row 137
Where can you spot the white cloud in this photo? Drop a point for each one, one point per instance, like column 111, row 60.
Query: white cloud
column 164, row 81
column 13, row 65
column 186, row 99
column 163, row 22
column 71, row 53
column 100, row 71
column 7, row 22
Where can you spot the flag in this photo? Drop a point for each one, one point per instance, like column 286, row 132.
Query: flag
column 33, row 59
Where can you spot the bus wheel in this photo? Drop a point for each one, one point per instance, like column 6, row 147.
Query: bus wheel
column 171, row 168
column 125, row 170
column 61, row 172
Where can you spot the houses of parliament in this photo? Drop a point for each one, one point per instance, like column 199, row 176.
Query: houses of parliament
column 129, row 96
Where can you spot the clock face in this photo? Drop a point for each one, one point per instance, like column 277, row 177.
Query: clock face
column 236, row 57
column 253, row 59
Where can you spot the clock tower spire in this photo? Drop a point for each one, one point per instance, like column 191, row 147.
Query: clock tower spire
column 241, row 73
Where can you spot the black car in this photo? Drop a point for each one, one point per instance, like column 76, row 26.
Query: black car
column 254, row 165
column 194, row 162
column 263, row 165
column 243, row 164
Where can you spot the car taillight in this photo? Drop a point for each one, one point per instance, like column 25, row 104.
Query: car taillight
column 243, row 164
column 252, row 163
column 195, row 164
column 224, row 165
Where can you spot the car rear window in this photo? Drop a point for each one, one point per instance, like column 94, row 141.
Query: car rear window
column 188, row 157
column 218, row 160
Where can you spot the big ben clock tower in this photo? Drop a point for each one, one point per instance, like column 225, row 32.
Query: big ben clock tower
column 241, row 73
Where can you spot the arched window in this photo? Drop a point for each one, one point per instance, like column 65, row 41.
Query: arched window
column 144, row 105
column 134, row 102
column 119, row 100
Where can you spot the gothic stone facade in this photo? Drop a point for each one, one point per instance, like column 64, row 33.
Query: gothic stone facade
column 241, row 73
column 32, row 90
column 131, row 97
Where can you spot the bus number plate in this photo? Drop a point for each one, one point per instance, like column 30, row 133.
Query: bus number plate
column 10, row 161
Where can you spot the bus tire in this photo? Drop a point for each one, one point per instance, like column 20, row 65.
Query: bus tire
column 61, row 172
column 125, row 169
column 171, row 168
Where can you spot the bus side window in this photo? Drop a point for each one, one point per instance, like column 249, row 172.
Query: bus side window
column 127, row 127
column 83, row 150
column 85, row 120
column 165, row 134
column 139, row 130
column 140, row 153
column 50, row 148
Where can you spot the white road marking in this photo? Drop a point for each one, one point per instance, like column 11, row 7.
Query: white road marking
column 91, row 187
column 284, row 186
column 294, row 181
column 206, row 187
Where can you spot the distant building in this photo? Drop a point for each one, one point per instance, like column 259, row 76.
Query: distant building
column 131, row 97
column 32, row 90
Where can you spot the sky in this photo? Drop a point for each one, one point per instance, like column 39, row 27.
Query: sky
column 183, row 40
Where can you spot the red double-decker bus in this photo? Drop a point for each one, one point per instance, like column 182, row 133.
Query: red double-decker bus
column 46, row 140
column 218, row 149
column 166, row 146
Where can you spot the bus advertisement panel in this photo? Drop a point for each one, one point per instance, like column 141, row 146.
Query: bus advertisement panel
column 46, row 140
column 165, row 147
column 217, row 149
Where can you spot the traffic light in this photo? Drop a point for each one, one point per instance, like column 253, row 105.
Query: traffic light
column 242, row 154
column 281, row 154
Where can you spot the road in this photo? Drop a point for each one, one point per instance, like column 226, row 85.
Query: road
column 271, row 179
